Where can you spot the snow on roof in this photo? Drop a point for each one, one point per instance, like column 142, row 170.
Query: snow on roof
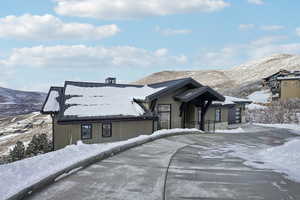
column 289, row 78
column 232, row 100
column 260, row 96
column 52, row 105
column 105, row 100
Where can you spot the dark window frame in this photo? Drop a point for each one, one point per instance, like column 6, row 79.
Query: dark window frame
column 170, row 122
column 91, row 128
column 110, row 132
column 220, row 115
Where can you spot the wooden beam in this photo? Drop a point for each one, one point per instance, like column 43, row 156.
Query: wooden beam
column 204, row 108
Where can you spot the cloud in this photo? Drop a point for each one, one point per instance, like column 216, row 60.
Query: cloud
column 298, row 31
column 132, row 9
column 83, row 57
column 246, row 27
column 272, row 28
column 257, row 2
column 169, row 31
column 239, row 53
column 48, row 27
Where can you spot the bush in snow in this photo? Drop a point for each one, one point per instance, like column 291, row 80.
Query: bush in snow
column 38, row 145
column 283, row 111
column 18, row 152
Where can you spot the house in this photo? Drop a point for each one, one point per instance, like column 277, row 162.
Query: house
column 107, row 112
column 283, row 84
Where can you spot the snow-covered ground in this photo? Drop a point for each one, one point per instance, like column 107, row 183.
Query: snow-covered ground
column 294, row 128
column 236, row 130
column 283, row 159
column 254, row 106
column 263, row 96
column 21, row 174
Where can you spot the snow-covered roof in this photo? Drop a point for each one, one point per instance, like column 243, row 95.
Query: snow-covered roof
column 105, row 100
column 232, row 100
column 52, row 103
column 289, row 78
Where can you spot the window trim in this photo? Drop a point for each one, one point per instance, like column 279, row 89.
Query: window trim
column 170, row 122
column 220, row 115
column 91, row 125
column 110, row 133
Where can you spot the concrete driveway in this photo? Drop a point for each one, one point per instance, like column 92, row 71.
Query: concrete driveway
column 181, row 167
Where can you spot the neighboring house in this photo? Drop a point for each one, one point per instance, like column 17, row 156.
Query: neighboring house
column 283, row 84
column 108, row 112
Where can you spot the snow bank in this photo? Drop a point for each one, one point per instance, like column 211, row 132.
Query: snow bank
column 260, row 96
column 294, row 128
column 237, row 130
column 17, row 176
column 254, row 106
column 283, row 159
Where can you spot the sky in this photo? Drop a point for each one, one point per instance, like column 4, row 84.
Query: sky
column 44, row 43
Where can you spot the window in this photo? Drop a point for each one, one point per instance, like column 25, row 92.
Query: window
column 86, row 131
column 218, row 115
column 164, row 115
column 106, row 130
column 238, row 115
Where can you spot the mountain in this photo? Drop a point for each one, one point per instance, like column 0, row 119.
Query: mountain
column 15, row 102
column 235, row 78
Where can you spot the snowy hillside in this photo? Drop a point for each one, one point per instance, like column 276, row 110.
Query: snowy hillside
column 15, row 102
column 235, row 77
column 22, row 127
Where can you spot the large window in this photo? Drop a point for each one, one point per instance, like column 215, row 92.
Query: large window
column 164, row 115
column 218, row 115
column 86, row 131
column 106, row 130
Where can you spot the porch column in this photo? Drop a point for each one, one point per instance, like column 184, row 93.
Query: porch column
column 204, row 108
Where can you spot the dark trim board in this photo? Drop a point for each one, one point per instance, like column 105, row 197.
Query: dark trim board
column 80, row 121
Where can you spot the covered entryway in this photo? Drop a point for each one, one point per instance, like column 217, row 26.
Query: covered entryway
column 194, row 105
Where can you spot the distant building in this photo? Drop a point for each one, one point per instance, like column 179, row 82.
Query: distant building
column 109, row 112
column 283, row 84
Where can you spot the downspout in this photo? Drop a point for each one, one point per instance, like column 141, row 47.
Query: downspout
column 52, row 117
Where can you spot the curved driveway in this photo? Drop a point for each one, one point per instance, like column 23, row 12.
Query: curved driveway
column 181, row 167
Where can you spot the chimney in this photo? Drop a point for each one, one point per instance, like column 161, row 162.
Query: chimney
column 110, row 80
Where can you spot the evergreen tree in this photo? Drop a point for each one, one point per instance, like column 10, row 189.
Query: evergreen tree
column 18, row 152
column 38, row 145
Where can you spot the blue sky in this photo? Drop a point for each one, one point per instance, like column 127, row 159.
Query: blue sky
column 46, row 42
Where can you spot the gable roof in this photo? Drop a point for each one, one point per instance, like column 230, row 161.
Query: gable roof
column 53, row 101
column 103, row 101
column 194, row 93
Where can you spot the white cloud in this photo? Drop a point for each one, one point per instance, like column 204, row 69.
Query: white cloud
column 131, row 9
column 272, row 28
column 48, row 27
column 257, row 2
column 169, row 31
column 239, row 53
column 246, row 27
column 298, row 31
column 81, row 56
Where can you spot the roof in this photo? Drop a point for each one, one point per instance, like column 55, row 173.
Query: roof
column 233, row 100
column 171, row 86
column 107, row 101
column 280, row 72
column 194, row 93
column 85, row 100
column 289, row 78
column 53, row 100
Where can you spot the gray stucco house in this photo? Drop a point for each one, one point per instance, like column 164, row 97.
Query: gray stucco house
column 108, row 112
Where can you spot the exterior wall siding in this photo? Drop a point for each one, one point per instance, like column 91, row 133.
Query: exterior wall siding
column 69, row 134
column 289, row 89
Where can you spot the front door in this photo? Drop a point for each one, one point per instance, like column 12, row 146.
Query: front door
column 164, row 116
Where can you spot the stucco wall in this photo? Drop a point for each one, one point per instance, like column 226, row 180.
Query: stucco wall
column 176, row 120
column 70, row 134
column 289, row 89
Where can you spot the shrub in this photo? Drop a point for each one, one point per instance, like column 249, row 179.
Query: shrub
column 38, row 145
column 18, row 152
